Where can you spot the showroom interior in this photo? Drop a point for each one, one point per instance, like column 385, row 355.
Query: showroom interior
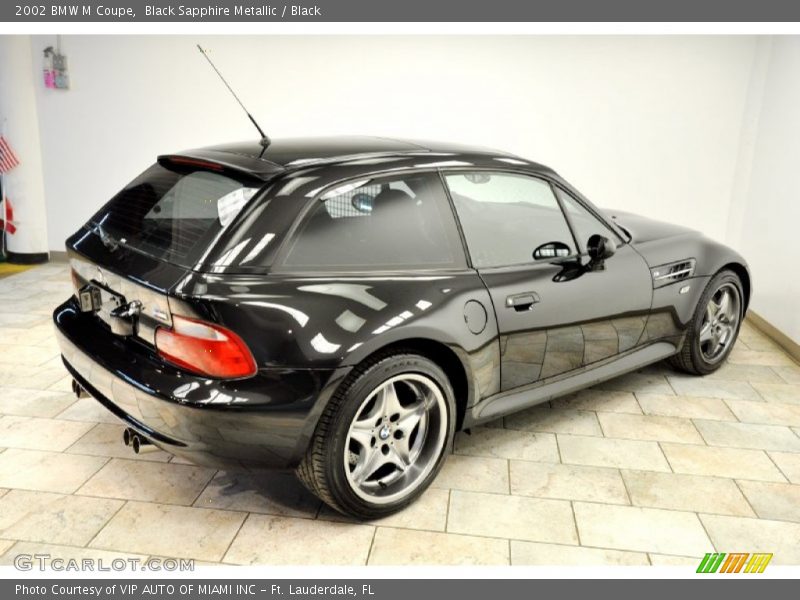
column 652, row 468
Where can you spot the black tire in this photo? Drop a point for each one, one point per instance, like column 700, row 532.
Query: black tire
column 691, row 359
column 323, row 469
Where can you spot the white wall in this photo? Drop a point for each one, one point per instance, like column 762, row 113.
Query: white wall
column 698, row 130
column 768, row 228
column 648, row 124
column 19, row 123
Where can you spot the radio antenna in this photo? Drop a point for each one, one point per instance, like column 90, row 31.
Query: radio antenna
column 265, row 141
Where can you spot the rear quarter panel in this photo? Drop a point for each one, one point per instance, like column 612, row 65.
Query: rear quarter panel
column 329, row 322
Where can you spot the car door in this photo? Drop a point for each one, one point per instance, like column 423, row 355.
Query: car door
column 555, row 313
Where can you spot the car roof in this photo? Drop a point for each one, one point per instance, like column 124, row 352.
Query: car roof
column 287, row 154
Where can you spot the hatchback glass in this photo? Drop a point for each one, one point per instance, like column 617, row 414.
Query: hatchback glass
column 173, row 214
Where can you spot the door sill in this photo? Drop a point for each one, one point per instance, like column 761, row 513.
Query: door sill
column 508, row 402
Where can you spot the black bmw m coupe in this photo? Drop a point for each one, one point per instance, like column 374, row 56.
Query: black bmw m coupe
column 340, row 307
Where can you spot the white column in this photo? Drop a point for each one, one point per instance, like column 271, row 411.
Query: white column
column 19, row 122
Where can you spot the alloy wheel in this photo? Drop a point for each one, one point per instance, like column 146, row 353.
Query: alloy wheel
column 395, row 438
column 720, row 323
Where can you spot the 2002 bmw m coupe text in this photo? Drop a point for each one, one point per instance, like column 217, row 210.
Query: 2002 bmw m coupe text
column 342, row 306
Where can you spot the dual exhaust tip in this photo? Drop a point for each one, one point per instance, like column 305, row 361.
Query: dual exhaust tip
column 78, row 390
column 138, row 443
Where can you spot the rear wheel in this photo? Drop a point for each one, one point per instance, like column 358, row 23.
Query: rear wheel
column 714, row 327
column 382, row 438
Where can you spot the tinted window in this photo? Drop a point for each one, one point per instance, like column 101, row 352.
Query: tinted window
column 584, row 223
column 173, row 214
column 505, row 217
column 379, row 223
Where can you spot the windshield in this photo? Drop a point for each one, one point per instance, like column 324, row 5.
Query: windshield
column 173, row 214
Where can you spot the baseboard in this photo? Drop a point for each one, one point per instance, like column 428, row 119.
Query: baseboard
column 26, row 258
column 775, row 334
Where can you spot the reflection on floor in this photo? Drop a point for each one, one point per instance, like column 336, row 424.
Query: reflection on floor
column 652, row 468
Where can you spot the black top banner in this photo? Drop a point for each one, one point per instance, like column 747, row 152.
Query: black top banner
column 400, row 11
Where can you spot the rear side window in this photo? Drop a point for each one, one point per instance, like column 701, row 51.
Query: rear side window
column 173, row 214
column 383, row 223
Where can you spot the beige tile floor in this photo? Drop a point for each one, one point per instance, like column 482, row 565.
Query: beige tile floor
column 652, row 468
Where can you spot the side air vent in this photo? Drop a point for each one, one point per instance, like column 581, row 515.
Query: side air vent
column 672, row 272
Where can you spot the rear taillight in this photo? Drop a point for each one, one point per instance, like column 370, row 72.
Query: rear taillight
column 204, row 348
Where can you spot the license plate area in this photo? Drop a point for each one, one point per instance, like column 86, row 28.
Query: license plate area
column 91, row 298
column 146, row 308
column 106, row 304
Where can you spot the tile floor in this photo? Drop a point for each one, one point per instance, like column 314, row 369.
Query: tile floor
column 651, row 468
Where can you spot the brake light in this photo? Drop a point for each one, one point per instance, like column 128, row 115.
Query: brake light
column 192, row 162
column 204, row 348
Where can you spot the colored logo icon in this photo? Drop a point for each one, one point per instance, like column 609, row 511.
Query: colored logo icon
column 737, row 562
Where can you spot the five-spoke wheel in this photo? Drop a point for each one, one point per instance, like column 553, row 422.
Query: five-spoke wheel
column 396, row 437
column 714, row 326
column 720, row 322
column 383, row 437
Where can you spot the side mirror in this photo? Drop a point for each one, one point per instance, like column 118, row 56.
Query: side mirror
column 599, row 249
column 551, row 250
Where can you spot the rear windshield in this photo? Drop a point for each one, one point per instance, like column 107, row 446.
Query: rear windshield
column 173, row 213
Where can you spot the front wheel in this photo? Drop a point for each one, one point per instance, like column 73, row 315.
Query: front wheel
column 382, row 438
column 714, row 327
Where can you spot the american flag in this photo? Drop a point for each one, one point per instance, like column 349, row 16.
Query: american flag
column 8, row 160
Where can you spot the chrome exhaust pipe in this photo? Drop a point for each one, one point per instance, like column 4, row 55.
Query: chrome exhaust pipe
column 78, row 390
column 142, row 445
column 136, row 442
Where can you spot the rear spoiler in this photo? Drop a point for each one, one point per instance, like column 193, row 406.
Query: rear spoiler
column 216, row 160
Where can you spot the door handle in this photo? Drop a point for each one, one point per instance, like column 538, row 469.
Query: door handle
column 523, row 301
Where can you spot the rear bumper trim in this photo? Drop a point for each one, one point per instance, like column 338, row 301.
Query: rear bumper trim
column 133, row 423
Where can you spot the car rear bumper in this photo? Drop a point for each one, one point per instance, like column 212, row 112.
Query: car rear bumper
column 263, row 421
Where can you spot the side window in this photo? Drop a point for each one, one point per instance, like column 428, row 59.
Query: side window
column 379, row 223
column 507, row 218
column 583, row 222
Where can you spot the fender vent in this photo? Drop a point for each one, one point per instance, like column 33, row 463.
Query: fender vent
column 672, row 272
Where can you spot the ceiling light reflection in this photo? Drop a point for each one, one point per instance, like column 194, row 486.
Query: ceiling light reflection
column 323, row 346
column 298, row 315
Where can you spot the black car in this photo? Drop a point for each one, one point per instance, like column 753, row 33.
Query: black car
column 342, row 306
